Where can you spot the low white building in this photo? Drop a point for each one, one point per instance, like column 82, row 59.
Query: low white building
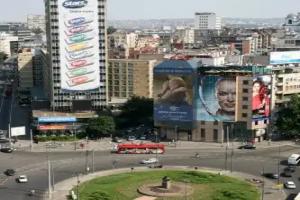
column 6, row 43
column 207, row 21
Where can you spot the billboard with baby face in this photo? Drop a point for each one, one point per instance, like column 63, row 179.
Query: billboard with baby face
column 173, row 96
column 79, row 44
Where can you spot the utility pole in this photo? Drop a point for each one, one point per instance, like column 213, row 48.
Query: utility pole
column 87, row 169
column 93, row 160
column 227, row 136
column 77, row 188
column 278, row 166
column 226, row 158
column 231, row 156
column 30, row 139
column 49, row 179
column 263, row 184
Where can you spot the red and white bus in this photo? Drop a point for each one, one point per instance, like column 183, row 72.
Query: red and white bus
column 143, row 148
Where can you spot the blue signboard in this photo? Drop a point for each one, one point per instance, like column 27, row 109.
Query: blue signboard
column 56, row 119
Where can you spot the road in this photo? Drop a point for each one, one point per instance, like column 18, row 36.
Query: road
column 69, row 164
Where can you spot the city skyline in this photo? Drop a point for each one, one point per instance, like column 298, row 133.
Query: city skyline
column 137, row 9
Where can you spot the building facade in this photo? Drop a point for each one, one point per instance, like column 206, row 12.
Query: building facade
column 36, row 22
column 207, row 21
column 130, row 77
column 211, row 103
column 25, row 69
column 76, row 37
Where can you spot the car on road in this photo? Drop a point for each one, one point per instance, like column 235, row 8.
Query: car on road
column 247, row 146
column 271, row 175
column 294, row 159
column 10, row 172
column 149, row 161
column 289, row 185
column 7, row 150
column 22, row 179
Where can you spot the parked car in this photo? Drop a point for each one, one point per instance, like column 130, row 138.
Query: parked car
column 149, row 161
column 7, row 150
column 142, row 137
column 131, row 138
column 247, row 146
column 22, row 179
column 10, row 172
column 271, row 175
column 289, row 185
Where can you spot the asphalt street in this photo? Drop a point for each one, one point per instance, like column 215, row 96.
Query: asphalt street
column 69, row 164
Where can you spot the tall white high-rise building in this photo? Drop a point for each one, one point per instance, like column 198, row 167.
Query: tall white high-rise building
column 36, row 21
column 207, row 21
column 76, row 38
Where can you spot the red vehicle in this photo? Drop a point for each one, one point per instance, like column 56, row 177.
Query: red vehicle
column 143, row 148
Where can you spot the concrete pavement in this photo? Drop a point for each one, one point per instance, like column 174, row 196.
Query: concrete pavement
column 62, row 189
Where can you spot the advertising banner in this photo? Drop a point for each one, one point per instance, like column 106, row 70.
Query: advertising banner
column 285, row 57
column 56, row 119
column 79, row 44
column 173, row 94
column 51, row 127
column 17, row 131
column 216, row 98
column 261, row 97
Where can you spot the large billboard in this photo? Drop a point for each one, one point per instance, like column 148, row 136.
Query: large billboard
column 79, row 44
column 285, row 57
column 261, row 97
column 216, row 98
column 56, row 119
column 173, row 97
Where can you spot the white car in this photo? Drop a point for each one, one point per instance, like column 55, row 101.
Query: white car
column 22, row 179
column 149, row 161
column 289, row 185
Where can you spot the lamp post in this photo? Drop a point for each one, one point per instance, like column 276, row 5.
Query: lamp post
column 278, row 165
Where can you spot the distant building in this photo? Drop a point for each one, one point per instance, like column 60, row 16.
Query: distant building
column 36, row 22
column 130, row 77
column 8, row 44
column 207, row 21
column 25, row 69
column 292, row 22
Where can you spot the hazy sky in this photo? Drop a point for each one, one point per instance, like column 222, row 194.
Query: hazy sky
column 16, row 10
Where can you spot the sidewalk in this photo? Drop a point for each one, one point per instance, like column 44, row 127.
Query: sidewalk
column 106, row 144
column 62, row 189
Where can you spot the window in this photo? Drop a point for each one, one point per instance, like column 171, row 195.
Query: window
column 215, row 134
column 245, row 90
column 244, row 115
column 265, row 121
column 245, row 98
column 256, row 122
column 216, row 123
column 245, row 106
column 245, row 82
column 202, row 133
column 202, row 122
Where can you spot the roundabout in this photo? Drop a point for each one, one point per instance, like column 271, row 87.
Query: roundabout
column 168, row 183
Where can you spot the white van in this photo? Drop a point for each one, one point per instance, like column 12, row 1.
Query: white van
column 294, row 159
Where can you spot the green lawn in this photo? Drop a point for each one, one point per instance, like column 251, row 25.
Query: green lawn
column 206, row 186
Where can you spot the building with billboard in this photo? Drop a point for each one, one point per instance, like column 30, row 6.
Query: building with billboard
column 76, row 35
column 211, row 103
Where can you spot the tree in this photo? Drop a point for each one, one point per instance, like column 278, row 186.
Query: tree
column 137, row 111
column 111, row 30
column 288, row 121
column 3, row 57
column 101, row 126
